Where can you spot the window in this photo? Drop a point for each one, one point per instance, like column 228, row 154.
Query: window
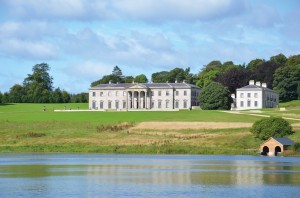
column 249, row 95
column 248, row 103
column 124, row 104
column 101, row 104
column 242, row 103
column 167, row 103
column 167, row 93
column 108, row 93
column 184, row 104
column 152, row 93
column 117, row 105
column 255, row 103
column 94, row 105
column 109, row 104
column 94, row 94
column 117, row 93
column 159, row 104
column 152, row 104
column 101, row 93
column 159, row 93
column 176, row 104
column 177, row 93
column 184, row 93
column 242, row 95
column 255, row 95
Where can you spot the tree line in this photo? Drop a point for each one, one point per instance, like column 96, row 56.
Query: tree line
column 38, row 88
column 281, row 73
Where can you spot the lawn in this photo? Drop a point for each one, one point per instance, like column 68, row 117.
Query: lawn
column 27, row 128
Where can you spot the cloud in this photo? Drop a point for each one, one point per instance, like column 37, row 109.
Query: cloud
column 146, row 10
column 27, row 49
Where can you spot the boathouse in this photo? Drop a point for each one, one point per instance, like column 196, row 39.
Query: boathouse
column 273, row 146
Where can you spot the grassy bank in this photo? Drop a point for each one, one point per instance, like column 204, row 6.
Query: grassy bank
column 27, row 128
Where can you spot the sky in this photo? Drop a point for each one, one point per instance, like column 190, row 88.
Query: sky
column 82, row 40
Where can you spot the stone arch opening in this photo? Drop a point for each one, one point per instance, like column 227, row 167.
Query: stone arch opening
column 265, row 150
column 277, row 150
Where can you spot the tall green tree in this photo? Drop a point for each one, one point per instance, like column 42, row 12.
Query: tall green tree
column 38, row 85
column 215, row 96
column 115, row 77
column 1, row 96
column 286, row 81
column 160, row 77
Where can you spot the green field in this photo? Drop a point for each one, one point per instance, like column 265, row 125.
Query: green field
column 27, row 128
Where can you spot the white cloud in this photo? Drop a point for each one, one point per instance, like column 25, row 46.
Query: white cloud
column 27, row 49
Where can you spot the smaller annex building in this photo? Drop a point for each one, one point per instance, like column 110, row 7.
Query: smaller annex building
column 256, row 95
column 273, row 146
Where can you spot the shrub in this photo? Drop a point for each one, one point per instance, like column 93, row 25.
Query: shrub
column 296, row 146
column 271, row 127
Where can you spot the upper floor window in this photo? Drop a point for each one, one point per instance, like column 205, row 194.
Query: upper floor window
column 94, row 94
column 152, row 93
column 108, row 93
column 101, row 93
column 177, row 93
column 185, row 93
column 255, row 95
column 159, row 93
column 242, row 95
column 167, row 93
column 249, row 95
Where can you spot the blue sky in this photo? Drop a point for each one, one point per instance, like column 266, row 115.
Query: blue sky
column 83, row 40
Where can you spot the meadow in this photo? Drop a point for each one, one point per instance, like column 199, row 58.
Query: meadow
column 28, row 128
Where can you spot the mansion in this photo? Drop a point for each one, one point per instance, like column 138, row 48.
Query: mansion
column 143, row 96
column 256, row 95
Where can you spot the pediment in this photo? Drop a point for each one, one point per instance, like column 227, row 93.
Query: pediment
column 137, row 86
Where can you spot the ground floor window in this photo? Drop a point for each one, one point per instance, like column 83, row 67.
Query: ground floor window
column 242, row 103
column 94, row 105
column 185, row 104
column 248, row 103
column 159, row 104
column 117, row 104
column 255, row 103
column 101, row 104
column 176, row 104
column 124, row 104
column 109, row 104
column 167, row 103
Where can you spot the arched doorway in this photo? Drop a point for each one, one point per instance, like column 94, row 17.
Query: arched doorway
column 265, row 150
column 277, row 150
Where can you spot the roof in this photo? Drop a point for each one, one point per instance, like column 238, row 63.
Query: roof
column 255, row 87
column 146, row 85
column 284, row 141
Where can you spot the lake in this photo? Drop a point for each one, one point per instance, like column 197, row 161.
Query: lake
column 96, row 175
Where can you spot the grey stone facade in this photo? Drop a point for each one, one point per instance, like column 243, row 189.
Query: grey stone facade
column 143, row 96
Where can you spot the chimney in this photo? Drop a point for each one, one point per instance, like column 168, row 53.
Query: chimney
column 176, row 81
column 109, row 82
column 258, row 83
column 183, row 81
column 133, row 82
column 251, row 82
column 232, row 95
column 264, row 85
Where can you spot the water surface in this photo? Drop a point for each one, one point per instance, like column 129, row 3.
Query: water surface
column 75, row 175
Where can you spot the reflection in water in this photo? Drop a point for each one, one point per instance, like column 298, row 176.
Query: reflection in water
column 150, row 176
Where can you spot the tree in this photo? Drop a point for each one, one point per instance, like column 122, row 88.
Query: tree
column 286, row 82
column 160, row 77
column 1, row 96
column 16, row 94
column 271, row 127
column 115, row 77
column 298, row 90
column 208, row 77
column 293, row 60
column 117, row 72
column 38, row 85
column 128, row 79
column 234, row 78
column 141, row 79
column 215, row 96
